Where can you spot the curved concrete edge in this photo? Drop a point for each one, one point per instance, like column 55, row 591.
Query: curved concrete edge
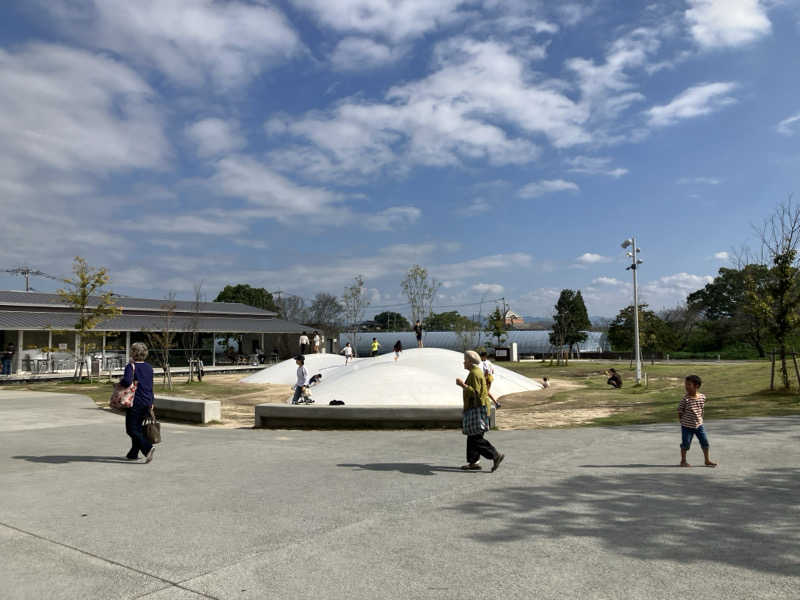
column 282, row 416
column 188, row 409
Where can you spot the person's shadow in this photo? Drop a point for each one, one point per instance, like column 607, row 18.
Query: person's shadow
column 406, row 468
column 62, row 459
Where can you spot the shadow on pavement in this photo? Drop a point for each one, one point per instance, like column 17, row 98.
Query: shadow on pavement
column 752, row 522
column 631, row 466
column 59, row 459
column 407, row 468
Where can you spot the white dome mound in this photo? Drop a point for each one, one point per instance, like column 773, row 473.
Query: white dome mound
column 286, row 372
column 421, row 377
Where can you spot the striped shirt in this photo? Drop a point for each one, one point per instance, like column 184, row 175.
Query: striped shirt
column 691, row 411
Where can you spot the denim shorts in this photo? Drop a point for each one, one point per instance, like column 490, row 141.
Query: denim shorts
column 687, row 434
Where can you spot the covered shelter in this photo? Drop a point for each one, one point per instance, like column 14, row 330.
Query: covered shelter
column 41, row 326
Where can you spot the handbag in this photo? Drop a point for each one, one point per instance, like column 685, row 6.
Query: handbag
column 152, row 428
column 122, row 397
column 475, row 421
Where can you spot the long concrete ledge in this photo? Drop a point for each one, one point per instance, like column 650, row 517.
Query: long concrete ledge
column 188, row 409
column 283, row 416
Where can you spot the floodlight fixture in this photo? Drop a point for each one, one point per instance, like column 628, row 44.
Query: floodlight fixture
column 627, row 243
column 635, row 262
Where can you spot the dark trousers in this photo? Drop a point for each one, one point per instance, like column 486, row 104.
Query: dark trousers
column 6, row 366
column 134, row 427
column 478, row 446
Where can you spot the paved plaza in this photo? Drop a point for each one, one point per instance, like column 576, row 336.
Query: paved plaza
column 226, row 513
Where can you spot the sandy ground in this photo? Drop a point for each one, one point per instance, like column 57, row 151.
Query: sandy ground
column 525, row 410
column 536, row 410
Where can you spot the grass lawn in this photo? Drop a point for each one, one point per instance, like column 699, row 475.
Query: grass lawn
column 738, row 389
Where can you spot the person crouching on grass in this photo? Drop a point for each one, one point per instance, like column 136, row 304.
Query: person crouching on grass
column 690, row 414
column 476, row 415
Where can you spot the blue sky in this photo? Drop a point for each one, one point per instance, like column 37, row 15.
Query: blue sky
column 509, row 146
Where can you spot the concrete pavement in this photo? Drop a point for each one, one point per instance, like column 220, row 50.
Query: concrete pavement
column 582, row 513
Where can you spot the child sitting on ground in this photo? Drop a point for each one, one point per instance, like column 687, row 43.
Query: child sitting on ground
column 690, row 414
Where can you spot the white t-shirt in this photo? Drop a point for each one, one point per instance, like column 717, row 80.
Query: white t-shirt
column 348, row 351
column 304, row 339
column 488, row 368
column 316, row 340
column 302, row 376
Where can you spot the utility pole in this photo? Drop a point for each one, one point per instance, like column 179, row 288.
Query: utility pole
column 635, row 262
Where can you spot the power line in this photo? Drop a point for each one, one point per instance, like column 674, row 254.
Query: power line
column 27, row 273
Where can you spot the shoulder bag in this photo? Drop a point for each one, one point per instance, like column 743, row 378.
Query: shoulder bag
column 122, row 397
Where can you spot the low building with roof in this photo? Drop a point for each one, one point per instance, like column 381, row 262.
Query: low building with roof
column 41, row 326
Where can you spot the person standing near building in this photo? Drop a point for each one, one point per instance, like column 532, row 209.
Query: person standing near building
column 418, row 333
column 7, row 359
column 142, row 373
column 303, row 343
column 315, row 342
column 375, row 346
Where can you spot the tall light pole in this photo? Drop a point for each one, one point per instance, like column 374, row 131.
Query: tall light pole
column 635, row 262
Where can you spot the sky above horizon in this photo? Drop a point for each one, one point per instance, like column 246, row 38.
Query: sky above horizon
column 508, row 146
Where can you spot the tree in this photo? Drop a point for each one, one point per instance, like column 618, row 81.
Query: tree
column 447, row 321
column 496, row 325
column 778, row 303
column 421, row 290
column 325, row 312
column 570, row 321
column 191, row 335
column 86, row 296
column 292, row 308
column 163, row 340
column 681, row 321
column 392, row 321
column 654, row 334
column 724, row 306
column 245, row 294
column 355, row 304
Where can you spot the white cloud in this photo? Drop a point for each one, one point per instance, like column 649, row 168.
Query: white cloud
column 547, row 186
column 191, row 41
column 695, row 101
column 360, row 54
column 699, row 180
column 392, row 19
column 588, row 258
column 215, row 136
column 454, row 115
column 673, row 289
column 722, row 255
column 67, row 109
column 595, row 165
column 194, row 224
column 720, row 23
column 477, row 207
column 393, row 217
column 788, row 125
column 612, row 281
column 488, row 288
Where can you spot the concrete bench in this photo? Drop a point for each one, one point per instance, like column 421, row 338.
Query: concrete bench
column 373, row 416
column 188, row 409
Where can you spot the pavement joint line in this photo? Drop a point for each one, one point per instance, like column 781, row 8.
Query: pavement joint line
column 169, row 582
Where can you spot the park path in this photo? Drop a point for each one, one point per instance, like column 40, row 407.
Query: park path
column 589, row 513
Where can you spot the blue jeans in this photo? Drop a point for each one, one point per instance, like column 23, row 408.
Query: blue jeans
column 6, row 366
column 687, row 434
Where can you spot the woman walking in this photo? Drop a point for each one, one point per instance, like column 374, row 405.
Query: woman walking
column 142, row 373
column 476, row 415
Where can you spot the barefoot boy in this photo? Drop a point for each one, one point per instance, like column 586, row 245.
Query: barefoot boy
column 690, row 414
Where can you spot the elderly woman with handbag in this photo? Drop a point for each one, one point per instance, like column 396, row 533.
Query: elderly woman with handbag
column 141, row 409
column 476, row 415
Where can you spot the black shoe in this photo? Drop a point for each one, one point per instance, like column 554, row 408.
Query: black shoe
column 497, row 462
column 129, row 457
